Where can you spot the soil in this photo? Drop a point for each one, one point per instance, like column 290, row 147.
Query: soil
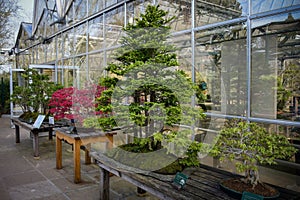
column 260, row 188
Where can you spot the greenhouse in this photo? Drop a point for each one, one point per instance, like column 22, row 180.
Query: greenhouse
column 241, row 55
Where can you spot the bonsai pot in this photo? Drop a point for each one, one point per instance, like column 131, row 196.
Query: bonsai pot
column 234, row 193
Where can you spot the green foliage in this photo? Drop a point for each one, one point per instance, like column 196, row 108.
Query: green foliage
column 36, row 91
column 144, row 71
column 250, row 144
column 5, row 95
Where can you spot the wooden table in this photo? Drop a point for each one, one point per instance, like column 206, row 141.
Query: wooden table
column 203, row 182
column 79, row 140
column 34, row 131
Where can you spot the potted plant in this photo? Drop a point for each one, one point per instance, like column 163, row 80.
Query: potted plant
column 75, row 104
column 33, row 96
column 248, row 145
column 146, row 93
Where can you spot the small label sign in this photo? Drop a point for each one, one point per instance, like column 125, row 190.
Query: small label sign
column 180, row 180
column 39, row 120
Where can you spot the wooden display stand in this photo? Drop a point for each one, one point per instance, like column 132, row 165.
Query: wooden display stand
column 79, row 140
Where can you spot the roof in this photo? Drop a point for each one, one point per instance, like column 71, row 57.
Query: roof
column 24, row 26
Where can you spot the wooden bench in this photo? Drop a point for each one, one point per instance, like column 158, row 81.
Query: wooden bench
column 34, row 131
column 203, row 182
column 79, row 140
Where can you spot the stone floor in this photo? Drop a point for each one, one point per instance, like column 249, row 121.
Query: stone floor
column 22, row 177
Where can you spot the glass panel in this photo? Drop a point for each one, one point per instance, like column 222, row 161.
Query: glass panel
column 181, row 10
column 80, row 39
column 95, row 6
column 69, row 72
column 259, row 6
column 109, row 2
column 275, row 67
column 82, row 72
column 114, row 22
column 68, row 43
column 59, row 63
column 220, row 64
column 96, row 67
column 212, row 11
column 80, row 10
column 59, row 46
column 96, row 34
column 134, row 9
column 41, row 54
column 184, row 52
column 24, row 59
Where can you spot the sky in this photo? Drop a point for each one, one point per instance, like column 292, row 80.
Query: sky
column 25, row 15
column 27, row 5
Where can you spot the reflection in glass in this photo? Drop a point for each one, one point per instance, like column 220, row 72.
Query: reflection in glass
column 180, row 10
column 94, row 6
column 96, row 34
column 82, row 71
column 114, row 22
column 212, row 11
column 80, row 9
column 220, row 64
column 80, row 38
column 96, row 67
column 276, row 67
column 259, row 6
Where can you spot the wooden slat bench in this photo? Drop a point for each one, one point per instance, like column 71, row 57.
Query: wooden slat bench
column 203, row 182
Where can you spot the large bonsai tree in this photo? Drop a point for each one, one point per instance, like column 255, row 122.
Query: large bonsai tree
column 145, row 91
column 249, row 145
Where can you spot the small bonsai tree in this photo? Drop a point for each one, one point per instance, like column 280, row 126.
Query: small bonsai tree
column 34, row 94
column 249, row 145
column 145, row 91
column 74, row 103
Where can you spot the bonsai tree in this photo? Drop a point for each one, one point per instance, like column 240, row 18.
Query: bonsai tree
column 250, row 145
column 34, row 94
column 74, row 103
column 146, row 93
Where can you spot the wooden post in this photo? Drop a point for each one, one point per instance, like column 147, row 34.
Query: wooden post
column 104, row 184
column 50, row 133
column 58, row 153
column 17, row 133
column 88, row 158
column 36, row 143
column 76, row 158
column 110, row 138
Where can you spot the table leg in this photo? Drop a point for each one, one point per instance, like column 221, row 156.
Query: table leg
column 104, row 184
column 88, row 158
column 17, row 133
column 110, row 138
column 50, row 133
column 76, row 157
column 36, row 144
column 58, row 153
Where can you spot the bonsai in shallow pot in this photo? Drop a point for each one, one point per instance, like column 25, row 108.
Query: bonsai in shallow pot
column 249, row 145
column 34, row 94
column 147, row 93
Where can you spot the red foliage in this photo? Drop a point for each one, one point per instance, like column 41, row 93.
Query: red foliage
column 73, row 103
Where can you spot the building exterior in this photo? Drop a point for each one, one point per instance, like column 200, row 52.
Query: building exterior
column 245, row 51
